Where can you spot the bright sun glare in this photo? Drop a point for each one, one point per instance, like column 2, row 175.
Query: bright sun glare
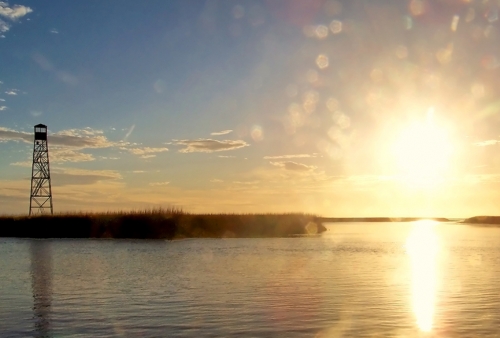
column 423, row 151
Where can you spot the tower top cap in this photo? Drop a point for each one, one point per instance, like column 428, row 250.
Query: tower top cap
column 40, row 126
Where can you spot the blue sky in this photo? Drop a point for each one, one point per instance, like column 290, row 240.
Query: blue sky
column 341, row 108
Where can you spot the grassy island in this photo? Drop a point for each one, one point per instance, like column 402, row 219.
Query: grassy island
column 159, row 224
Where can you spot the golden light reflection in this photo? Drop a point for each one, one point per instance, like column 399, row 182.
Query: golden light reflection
column 422, row 247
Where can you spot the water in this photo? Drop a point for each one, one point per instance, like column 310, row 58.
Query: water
column 355, row 280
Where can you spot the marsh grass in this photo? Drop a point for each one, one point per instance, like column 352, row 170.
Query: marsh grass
column 160, row 223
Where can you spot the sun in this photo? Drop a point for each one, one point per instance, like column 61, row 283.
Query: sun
column 423, row 152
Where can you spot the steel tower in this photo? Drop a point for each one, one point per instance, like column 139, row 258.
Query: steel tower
column 41, row 191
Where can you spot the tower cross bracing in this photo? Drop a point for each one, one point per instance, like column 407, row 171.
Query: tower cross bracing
column 41, row 189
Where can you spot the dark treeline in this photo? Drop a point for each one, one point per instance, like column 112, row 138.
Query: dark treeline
column 159, row 224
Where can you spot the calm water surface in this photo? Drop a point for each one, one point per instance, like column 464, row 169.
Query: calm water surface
column 356, row 280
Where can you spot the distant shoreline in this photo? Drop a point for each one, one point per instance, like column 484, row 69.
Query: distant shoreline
column 380, row 219
column 482, row 220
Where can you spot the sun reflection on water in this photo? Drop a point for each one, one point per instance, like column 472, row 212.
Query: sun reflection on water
column 422, row 246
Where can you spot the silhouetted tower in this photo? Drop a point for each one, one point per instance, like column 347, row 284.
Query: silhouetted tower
column 41, row 191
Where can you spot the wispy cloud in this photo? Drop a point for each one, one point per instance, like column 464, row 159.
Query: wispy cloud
column 223, row 132
column 486, row 143
column 36, row 113
column 12, row 92
column 226, row 156
column 61, row 155
column 61, row 75
column 216, row 180
column 159, row 184
column 294, row 166
column 145, row 152
column 75, row 138
column 3, row 108
column 22, row 163
column 62, row 177
column 4, row 27
column 282, row 157
column 129, row 132
column 69, row 155
column 54, row 31
column 209, row 146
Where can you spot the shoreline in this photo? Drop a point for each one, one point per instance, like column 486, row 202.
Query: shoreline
column 160, row 225
column 380, row 219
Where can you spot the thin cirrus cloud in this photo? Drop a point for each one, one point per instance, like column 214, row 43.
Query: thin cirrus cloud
column 83, row 177
column 486, row 143
column 61, row 75
column 223, row 132
column 12, row 92
column 159, row 184
column 145, row 152
column 281, row 157
column 3, row 108
column 209, row 146
column 294, row 166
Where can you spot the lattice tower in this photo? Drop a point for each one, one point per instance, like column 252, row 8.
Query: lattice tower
column 41, row 189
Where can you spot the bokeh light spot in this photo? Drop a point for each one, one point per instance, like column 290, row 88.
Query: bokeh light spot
column 238, row 12
column 342, row 120
column 417, row 7
column 408, row 22
column 492, row 15
column 336, row 26
column 321, row 31
column 310, row 101
column 322, row 61
column 454, row 23
column 257, row 133
column 444, row 54
column 489, row 62
column 332, row 104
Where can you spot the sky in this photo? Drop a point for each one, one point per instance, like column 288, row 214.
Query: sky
column 338, row 108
